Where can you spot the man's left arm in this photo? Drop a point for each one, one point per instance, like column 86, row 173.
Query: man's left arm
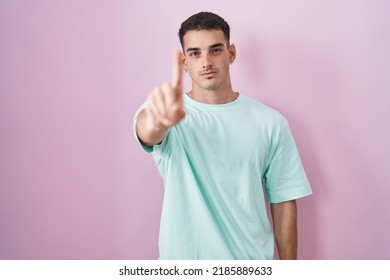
column 284, row 216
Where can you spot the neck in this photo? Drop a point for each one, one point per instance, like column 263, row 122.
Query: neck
column 219, row 96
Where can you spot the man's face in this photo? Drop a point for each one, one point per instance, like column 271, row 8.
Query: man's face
column 207, row 57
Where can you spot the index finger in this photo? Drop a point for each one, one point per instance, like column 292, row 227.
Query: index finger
column 177, row 75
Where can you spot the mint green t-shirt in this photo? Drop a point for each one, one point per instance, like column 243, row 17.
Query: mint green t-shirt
column 213, row 163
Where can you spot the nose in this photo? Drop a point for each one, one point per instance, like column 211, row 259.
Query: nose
column 207, row 63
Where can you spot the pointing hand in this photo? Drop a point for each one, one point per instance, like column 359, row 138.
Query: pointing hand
column 165, row 102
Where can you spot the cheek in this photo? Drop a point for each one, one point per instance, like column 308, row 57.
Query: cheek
column 190, row 71
column 226, row 65
column 191, row 64
column 192, row 68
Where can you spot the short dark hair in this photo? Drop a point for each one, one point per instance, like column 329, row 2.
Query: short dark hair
column 204, row 21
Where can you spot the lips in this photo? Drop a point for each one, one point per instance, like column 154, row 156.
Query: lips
column 208, row 73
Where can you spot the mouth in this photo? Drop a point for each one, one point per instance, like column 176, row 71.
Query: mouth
column 209, row 73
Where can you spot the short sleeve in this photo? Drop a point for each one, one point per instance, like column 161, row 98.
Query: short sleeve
column 285, row 178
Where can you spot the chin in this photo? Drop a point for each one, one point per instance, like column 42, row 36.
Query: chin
column 210, row 86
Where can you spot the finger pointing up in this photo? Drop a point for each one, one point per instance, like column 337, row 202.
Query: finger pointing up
column 177, row 74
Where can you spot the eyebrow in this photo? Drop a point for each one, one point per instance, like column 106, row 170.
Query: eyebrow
column 211, row 47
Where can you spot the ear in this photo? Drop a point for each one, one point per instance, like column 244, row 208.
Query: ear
column 183, row 59
column 232, row 53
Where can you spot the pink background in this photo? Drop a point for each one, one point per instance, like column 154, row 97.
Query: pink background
column 75, row 185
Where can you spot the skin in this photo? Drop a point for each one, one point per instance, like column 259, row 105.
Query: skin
column 207, row 57
column 207, row 60
column 284, row 217
column 164, row 107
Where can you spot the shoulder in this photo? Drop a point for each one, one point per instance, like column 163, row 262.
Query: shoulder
column 261, row 111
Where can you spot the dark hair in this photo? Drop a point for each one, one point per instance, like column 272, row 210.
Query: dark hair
column 204, row 21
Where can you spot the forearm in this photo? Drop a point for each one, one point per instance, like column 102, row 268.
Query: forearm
column 149, row 133
column 284, row 217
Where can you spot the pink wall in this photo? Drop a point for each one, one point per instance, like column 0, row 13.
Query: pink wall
column 75, row 185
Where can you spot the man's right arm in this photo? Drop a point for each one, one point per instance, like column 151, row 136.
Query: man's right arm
column 164, row 107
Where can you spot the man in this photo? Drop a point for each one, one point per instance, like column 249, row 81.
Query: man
column 214, row 147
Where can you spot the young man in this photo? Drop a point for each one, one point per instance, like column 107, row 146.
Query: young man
column 214, row 147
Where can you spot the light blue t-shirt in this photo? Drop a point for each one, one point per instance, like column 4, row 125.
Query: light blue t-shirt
column 213, row 163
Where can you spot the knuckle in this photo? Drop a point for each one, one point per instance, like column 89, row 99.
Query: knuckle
column 165, row 85
column 155, row 90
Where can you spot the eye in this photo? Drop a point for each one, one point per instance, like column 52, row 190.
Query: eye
column 195, row 53
column 216, row 50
